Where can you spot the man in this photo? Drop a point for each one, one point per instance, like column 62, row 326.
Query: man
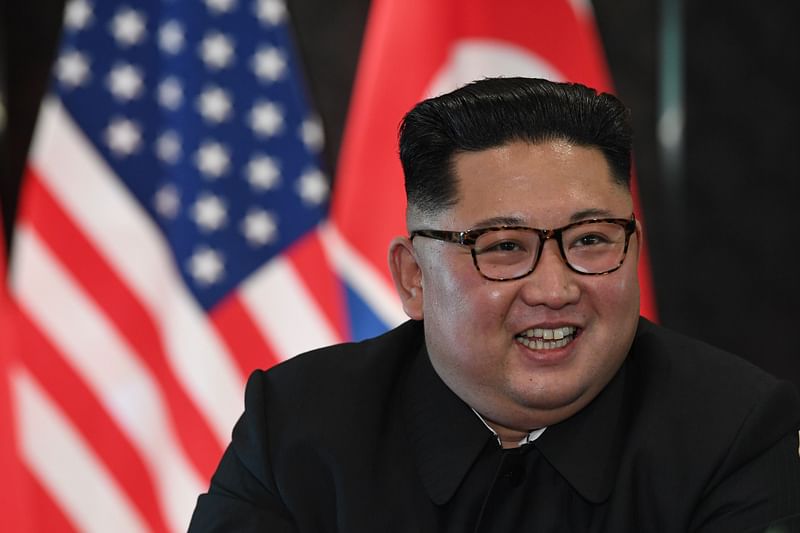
column 525, row 394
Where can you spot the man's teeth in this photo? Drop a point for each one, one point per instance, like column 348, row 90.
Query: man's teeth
column 547, row 339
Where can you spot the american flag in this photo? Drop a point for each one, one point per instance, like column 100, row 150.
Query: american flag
column 169, row 242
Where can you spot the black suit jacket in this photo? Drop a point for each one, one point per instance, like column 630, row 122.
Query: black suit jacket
column 365, row 437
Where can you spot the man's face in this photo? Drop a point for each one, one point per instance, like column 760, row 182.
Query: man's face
column 473, row 325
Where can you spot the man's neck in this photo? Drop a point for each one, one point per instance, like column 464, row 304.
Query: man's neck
column 509, row 437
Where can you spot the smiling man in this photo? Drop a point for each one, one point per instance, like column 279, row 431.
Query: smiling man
column 526, row 393
column 503, row 359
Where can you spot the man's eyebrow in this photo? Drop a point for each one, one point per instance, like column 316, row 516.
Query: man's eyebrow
column 593, row 212
column 511, row 220
column 500, row 221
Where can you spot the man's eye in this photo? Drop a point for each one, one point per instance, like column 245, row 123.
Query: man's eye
column 503, row 247
column 590, row 239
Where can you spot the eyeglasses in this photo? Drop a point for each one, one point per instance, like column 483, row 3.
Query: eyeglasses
column 503, row 253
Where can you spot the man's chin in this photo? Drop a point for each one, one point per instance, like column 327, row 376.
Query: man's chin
column 551, row 404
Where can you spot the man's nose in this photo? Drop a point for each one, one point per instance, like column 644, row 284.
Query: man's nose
column 551, row 283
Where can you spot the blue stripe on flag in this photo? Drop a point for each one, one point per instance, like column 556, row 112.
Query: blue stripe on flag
column 364, row 323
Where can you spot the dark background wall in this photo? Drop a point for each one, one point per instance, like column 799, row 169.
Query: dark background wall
column 723, row 250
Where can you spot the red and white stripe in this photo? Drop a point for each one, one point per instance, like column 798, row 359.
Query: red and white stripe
column 126, row 390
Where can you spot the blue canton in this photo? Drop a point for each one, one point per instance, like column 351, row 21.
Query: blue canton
column 198, row 107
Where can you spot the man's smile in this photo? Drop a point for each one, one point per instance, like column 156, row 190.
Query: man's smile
column 546, row 338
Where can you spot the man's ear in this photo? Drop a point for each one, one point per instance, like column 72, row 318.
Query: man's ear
column 407, row 276
column 639, row 237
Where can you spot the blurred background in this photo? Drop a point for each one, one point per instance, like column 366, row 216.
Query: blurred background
column 721, row 222
column 117, row 396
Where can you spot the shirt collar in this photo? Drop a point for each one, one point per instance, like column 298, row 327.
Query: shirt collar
column 527, row 439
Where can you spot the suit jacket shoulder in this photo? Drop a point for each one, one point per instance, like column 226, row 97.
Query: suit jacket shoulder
column 711, row 429
column 310, row 426
column 687, row 389
column 342, row 382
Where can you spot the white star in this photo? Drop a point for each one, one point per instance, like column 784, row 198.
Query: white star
column 259, row 227
column 206, row 266
column 265, row 119
column 123, row 137
column 125, row 82
column 167, row 201
column 171, row 37
column 269, row 64
column 263, row 172
column 212, row 159
column 77, row 15
column 270, row 12
column 313, row 187
column 209, row 212
column 216, row 50
column 218, row 7
column 72, row 69
column 312, row 134
column 214, row 104
column 170, row 93
column 128, row 27
column 168, row 147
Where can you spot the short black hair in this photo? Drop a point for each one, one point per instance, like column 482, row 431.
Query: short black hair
column 495, row 111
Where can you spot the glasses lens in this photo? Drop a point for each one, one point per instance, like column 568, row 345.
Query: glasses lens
column 594, row 248
column 506, row 253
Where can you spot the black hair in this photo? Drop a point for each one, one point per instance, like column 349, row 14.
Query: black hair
column 495, row 111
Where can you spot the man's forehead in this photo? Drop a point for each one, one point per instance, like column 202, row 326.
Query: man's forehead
column 522, row 173
column 545, row 184
column 538, row 152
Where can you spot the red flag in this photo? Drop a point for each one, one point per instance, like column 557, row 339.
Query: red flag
column 419, row 48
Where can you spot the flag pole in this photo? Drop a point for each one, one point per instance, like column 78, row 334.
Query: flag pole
column 672, row 117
